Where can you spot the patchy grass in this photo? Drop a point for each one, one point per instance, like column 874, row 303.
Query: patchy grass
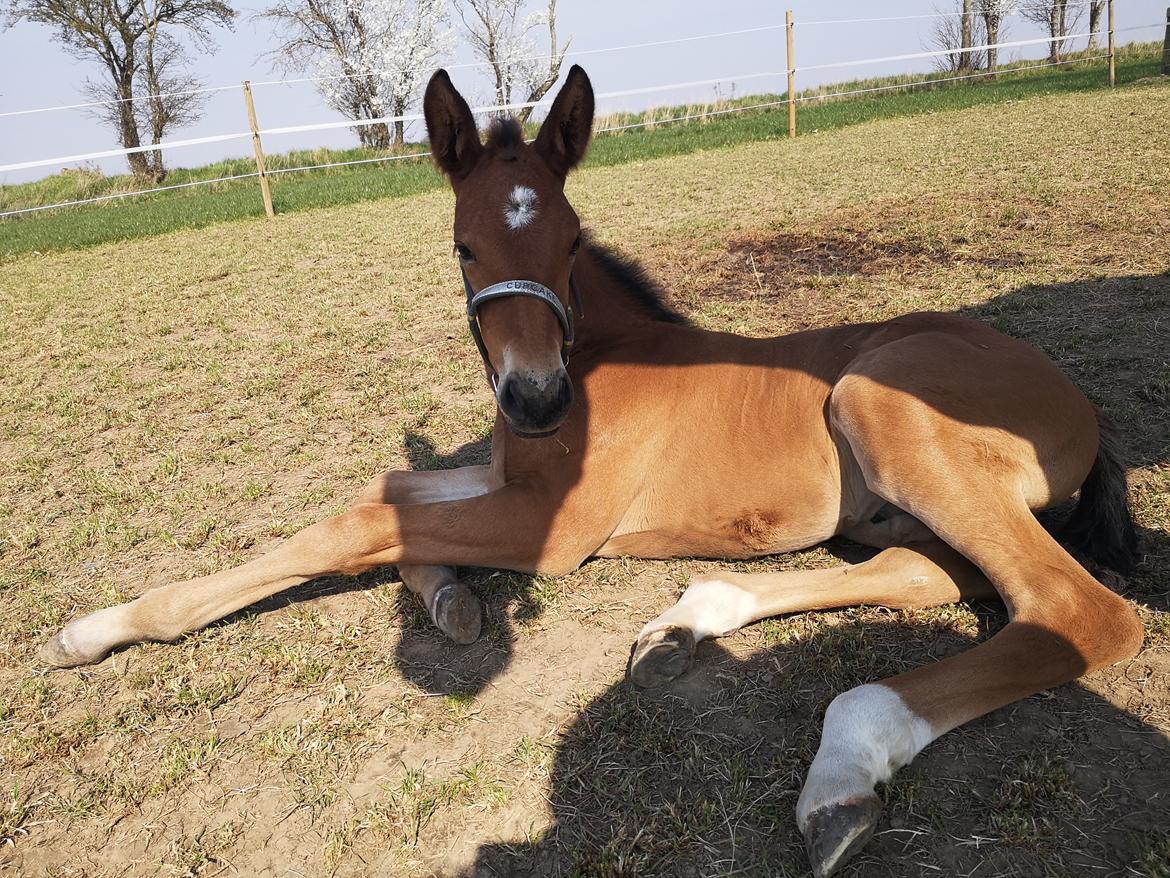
column 175, row 405
column 201, row 206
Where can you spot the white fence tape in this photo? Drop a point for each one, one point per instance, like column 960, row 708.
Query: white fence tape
column 942, row 53
column 356, row 123
column 351, row 123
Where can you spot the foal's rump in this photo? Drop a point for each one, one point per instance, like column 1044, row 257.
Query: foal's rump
column 948, row 404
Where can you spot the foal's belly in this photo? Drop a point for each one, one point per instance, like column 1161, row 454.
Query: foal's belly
column 762, row 520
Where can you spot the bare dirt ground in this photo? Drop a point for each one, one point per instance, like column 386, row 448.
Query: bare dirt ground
column 175, row 405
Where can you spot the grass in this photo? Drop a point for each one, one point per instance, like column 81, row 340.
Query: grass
column 175, row 405
column 205, row 205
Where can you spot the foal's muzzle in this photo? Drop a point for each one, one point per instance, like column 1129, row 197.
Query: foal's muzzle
column 532, row 405
column 534, row 408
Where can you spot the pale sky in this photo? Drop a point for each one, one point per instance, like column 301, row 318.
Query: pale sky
column 36, row 72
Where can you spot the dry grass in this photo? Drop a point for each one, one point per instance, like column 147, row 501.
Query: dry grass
column 174, row 405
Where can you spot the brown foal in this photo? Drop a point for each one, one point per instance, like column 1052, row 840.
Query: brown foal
column 931, row 437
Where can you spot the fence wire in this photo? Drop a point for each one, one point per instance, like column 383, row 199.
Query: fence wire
column 925, row 82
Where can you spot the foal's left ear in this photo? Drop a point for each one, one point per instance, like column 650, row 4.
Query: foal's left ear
column 564, row 135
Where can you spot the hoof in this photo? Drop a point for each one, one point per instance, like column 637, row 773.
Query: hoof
column 835, row 833
column 660, row 656
column 458, row 613
column 58, row 653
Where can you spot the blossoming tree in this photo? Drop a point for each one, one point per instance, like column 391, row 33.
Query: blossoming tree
column 501, row 35
column 373, row 55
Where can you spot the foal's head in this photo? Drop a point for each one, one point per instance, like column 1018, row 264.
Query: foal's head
column 515, row 237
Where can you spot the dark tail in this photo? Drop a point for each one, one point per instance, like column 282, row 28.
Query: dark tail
column 1101, row 527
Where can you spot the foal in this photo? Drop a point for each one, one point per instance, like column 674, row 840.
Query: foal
column 622, row 430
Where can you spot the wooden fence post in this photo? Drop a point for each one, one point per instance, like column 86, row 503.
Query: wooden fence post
column 1166, row 46
column 265, row 191
column 791, row 76
column 1112, row 52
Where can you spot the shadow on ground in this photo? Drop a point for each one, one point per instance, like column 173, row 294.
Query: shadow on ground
column 701, row 778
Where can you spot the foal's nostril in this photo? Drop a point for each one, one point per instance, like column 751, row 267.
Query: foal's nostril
column 512, row 396
column 564, row 393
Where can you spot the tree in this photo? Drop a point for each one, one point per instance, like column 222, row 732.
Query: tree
column 134, row 41
column 993, row 12
column 966, row 32
column 500, row 37
column 374, row 55
column 1055, row 16
column 955, row 33
column 1096, row 8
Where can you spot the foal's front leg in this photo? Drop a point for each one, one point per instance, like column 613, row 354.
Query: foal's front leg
column 924, row 575
column 452, row 605
column 507, row 528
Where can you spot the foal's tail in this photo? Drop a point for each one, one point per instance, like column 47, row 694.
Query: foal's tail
column 1101, row 527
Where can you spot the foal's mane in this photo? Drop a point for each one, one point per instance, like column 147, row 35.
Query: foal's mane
column 634, row 281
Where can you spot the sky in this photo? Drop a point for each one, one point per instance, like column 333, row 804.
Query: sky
column 35, row 71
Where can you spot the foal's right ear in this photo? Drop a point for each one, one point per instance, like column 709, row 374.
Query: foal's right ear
column 450, row 128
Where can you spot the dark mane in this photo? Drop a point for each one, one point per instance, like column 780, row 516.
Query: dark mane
column 633, row 278
column 504, row 134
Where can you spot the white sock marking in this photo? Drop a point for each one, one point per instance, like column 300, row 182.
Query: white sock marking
column 709, row 608
column 97, row 632
column 520, row 210
column 869, row 734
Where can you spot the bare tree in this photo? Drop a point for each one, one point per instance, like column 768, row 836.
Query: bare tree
column 966, row 32
column 1057, row 17
column 136, row 43
column 956, row 34
column 373, row 55
column 1096, row 8
column 499, row 36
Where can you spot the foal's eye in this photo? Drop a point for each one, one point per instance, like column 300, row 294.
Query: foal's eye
column 464, row 252
column 576, row 246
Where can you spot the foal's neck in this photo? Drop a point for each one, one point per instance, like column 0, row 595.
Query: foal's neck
column 621, row 302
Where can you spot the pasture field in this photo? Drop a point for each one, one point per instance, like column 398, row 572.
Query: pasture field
column 173, row 405
column 201, row 206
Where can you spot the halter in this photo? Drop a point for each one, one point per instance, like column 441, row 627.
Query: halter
column 529, row 289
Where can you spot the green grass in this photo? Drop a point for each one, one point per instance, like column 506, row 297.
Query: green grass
column 123, row 219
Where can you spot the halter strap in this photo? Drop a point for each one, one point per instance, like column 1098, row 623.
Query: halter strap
column 528, row 289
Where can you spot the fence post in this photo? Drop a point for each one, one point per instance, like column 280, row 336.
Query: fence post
column 1166, row 46
column 1112, row 52
column 791, row 76
column 265, row 191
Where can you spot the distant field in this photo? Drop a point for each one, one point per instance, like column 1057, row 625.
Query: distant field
column 204, row 205
column 176, row 405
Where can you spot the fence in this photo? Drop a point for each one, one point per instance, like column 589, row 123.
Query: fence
column 791, row 100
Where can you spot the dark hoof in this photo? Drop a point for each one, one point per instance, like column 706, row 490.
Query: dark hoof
column 458, row 613
column 835, row 833
column 661, row 656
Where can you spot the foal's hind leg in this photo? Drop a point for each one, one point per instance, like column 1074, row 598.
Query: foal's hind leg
column 918, row 576
column 1063, row 624
column 969, row 480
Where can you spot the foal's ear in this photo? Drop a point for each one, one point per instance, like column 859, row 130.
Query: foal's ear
column 564, row 135
column 450, row 128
